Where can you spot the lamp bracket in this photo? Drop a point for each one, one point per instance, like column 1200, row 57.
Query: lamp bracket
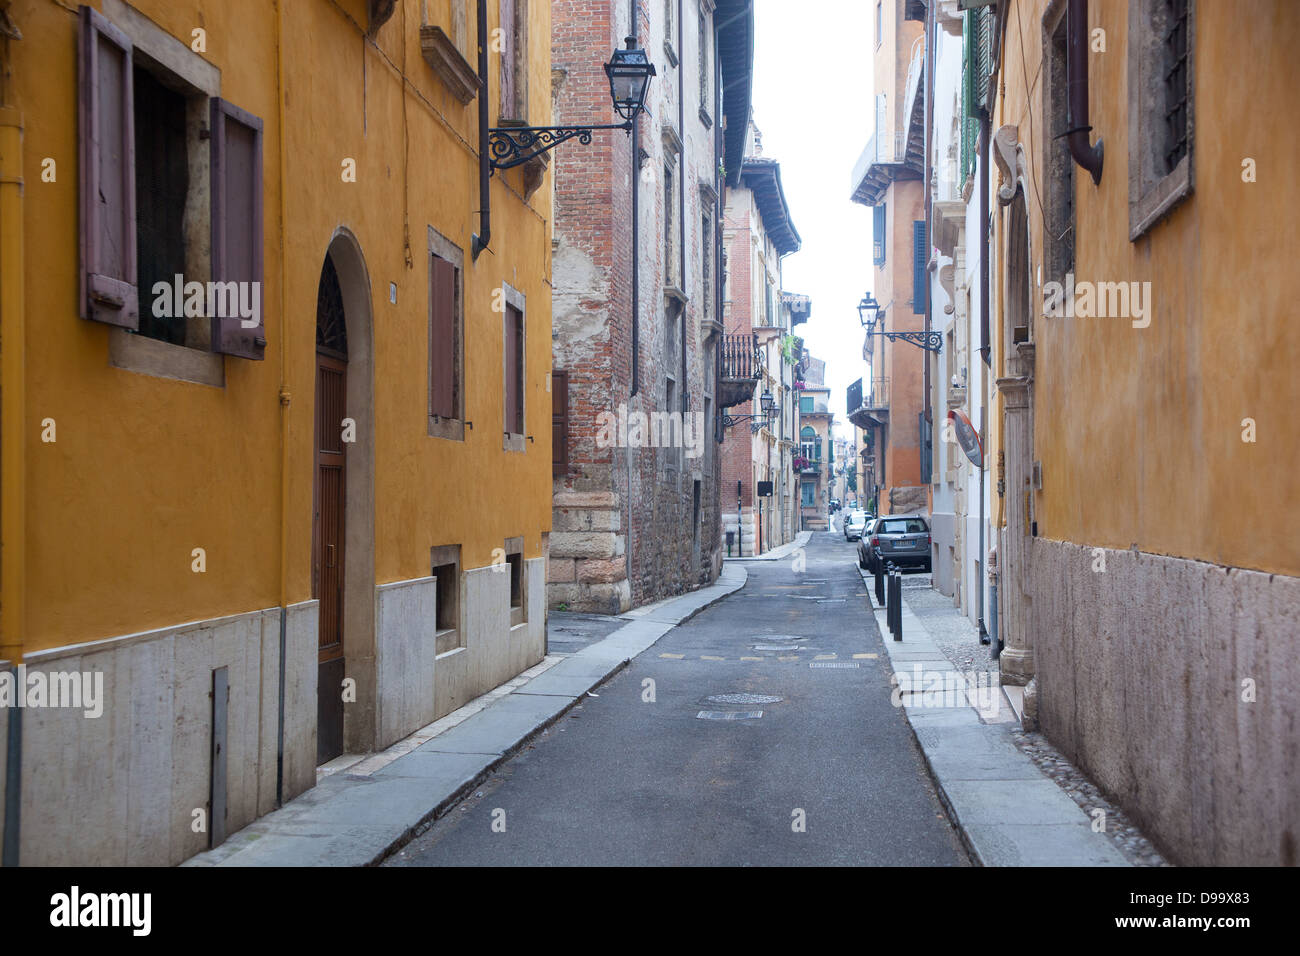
column 512, row 146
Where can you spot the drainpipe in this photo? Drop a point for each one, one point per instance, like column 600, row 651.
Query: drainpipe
column 13, row 501
column 484, row 236
column 633, row 32
column 1076, row 43
column 284, row 421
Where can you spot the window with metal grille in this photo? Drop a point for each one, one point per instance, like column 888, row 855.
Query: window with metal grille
column 1058, row 211
column 1173, row 46
column 1161, row 104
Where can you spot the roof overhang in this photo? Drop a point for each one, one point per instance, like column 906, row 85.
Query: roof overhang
column 734, row 20
column 763, row 177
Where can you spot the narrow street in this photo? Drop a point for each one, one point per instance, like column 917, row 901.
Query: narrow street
column 623, row 781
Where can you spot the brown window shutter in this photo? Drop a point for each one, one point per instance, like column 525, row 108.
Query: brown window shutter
column 106, row 130
column 508, row 84
column 559, row 423
column 514, row 385
column 443, row 345
column 237, row 225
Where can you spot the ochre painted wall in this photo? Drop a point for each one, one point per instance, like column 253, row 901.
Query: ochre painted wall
column 1139, row 430
column 145, row 469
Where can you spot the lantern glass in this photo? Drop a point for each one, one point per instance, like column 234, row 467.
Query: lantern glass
column 629, row 73
column 767, row 402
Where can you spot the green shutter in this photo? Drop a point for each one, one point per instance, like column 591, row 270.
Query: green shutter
column 920, row 256
column 878, row 234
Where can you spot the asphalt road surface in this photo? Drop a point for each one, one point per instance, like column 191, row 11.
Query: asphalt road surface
column 829, row 774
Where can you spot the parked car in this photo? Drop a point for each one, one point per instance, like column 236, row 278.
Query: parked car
column 903, row 540
column 864, row 545
column 854, row 521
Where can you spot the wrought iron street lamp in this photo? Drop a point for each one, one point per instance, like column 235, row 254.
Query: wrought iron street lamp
column 629, row 73
column 869, row 312
column 759, row 419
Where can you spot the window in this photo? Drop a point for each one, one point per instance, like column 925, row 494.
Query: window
column 695, row 512
column 878, row 234
column 513, row 369
column 518, row 588
column 446, row 569
column 150, row 179
column 1160, row 82
column 808, row 491
column 669, row 32
column 446, row 339
column 1059, row 210
column 670, row 226
column 706, row 263
column 704, row 67
column 880, row 22
column 514, row 60
column 559, row 423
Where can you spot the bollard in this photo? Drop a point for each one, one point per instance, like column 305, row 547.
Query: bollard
column 896, row 602
column 880, row 585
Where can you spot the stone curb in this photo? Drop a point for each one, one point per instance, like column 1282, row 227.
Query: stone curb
column 350, row 819
column 784, row 551
column 1007, row 811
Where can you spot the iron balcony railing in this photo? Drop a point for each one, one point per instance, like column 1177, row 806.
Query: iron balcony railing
column 741, row 356
column 876, row 396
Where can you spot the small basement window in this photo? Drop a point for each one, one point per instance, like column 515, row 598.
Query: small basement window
column 446, row 569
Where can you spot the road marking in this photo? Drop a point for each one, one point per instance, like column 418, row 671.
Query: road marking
column 864, row 657
column 751, row 658
column 825, row 657
column 787, row 660
column 708, row 657
column 673, row 657
column 833, row 664
column 729, row 715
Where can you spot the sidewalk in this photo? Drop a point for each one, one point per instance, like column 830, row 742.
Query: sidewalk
column 369, row 807
column 1008, row 812
column 784, row 551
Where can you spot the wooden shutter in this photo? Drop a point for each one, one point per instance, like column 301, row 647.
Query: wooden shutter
column 508, row 79
column 237, row 224
column 442, row 338
column 920, row 256
column 559, row 423
column 513, row 368
column 106, row 132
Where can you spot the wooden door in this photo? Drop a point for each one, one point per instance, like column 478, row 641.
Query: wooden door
column 327, row 560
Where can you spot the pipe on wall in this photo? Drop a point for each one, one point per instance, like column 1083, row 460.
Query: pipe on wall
column 1085, row 154
column 484, row 235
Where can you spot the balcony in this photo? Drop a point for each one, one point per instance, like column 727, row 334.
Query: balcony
column 871, row 408
column 892, row 155
column 742, row 367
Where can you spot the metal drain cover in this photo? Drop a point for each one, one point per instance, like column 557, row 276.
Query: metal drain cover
column 729, row 715
column 743, row 699
column 833, row 664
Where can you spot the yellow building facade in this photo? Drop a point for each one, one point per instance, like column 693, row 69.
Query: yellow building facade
column 1150, row 579
column 340, row 515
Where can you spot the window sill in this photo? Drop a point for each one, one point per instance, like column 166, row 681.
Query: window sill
column 1160, row 200
column 452, row 429
column 517, row 619
column 456, row 73
column 512, row 442
column 671, row 53
column 705, row 118
column 139, row 353
column 447, row 642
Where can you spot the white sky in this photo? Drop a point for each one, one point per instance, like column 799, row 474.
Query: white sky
column 812, row 101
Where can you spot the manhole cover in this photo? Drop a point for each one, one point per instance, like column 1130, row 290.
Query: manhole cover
column 833, row 664
column 729, row 715
column 743, row 699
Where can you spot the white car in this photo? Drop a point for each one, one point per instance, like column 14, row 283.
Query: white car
column 854, row 522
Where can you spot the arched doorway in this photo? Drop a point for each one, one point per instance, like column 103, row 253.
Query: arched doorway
column 329, row 524
column 343, row 503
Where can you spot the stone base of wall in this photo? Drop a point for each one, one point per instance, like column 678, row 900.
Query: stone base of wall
column 121, row 789
column 942, row 547
column 588, row 567
column 1175, row 685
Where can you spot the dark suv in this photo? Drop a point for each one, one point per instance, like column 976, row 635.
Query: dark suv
column 902, row 539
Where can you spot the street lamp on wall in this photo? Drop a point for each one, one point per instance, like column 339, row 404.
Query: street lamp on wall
column 629, row 73
column 870, row 313
column 759, row 419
